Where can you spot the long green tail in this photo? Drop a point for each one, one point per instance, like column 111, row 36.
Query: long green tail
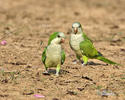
column 107, row 60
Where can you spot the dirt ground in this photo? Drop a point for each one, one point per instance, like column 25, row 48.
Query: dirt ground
column 26, row 26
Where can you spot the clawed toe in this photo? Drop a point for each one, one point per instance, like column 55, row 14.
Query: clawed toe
column 84, row 64
column 46, row 73
column 74, row 61
column 57, row 74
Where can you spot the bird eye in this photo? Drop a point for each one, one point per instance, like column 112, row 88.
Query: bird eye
column 58, row 35
column 79, row 26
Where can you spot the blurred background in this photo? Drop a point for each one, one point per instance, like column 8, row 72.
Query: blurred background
column 96, row 16
column 25, row 26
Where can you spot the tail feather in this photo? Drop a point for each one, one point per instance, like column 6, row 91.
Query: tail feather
column 107, row 60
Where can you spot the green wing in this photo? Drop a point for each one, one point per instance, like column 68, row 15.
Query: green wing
column 62, row 57
column 44, row 55
column 86, row 38
column 88, row 49
column 52, row 36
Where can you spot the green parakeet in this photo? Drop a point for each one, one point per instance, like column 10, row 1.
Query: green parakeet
column 53, row 55
column 83, row 46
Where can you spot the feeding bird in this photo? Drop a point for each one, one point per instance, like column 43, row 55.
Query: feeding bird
column 53, row 54
column 83, row 46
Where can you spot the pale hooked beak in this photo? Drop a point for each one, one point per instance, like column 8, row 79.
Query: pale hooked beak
column 62, row 40
column 75, row 30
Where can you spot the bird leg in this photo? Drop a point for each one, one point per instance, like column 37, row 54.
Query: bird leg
column 46, row 71
column 58, row 69
column 85, row 59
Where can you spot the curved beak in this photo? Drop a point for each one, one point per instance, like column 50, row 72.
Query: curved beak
column 62, row 40
column 75, row 30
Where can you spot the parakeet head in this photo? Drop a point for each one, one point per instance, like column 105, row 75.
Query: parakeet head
column 57, row 38
column 76, row 28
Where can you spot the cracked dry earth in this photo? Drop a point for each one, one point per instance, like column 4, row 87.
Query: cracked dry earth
column 26, row 26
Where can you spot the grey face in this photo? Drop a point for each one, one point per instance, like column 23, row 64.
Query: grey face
column 76, row 24
column 61, row 35
column 59, row 38
column 76, row 27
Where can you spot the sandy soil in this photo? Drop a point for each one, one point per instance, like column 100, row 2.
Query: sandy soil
column 26, row 26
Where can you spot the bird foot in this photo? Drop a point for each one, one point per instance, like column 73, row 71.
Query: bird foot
column 46, row 73
column 84, row 64
column 74, row 61
column 57, row 74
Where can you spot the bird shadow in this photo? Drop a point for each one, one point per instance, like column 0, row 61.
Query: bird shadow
column 96, row 64
column 53, row 71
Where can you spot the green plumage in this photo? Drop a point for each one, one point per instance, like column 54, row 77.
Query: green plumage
column 106, row 60
column 83, row 46
column 85, row 37
column 53, row 49
column 52, row 36
column 44, row 55
column 62, row 57
column 89, row 51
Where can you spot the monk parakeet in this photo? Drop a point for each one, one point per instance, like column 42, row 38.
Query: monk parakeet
column 83, row 46
column 53, row 55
